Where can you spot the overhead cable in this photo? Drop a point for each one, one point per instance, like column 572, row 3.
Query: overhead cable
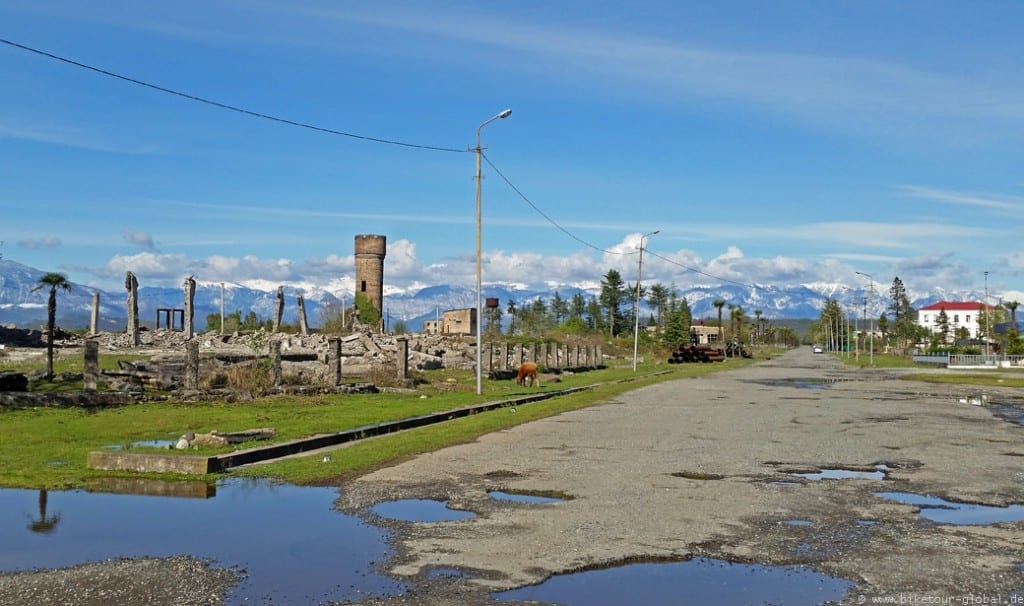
column 226, row 106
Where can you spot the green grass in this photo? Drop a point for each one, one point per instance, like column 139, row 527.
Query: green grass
column 47, row 447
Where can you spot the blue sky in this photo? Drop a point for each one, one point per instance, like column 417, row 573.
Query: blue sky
column 769, row 142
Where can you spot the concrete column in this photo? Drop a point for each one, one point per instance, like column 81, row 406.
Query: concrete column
column 94, row 319
column 600, row 357
column 303, row 326
column 542, row 356
column 275, row 361
column 92, row 364
column 532, row 353
column 131, row 284
column 279, row 308
column 192, row 364
column 403, row 358
column 504, row 356
column 190, row 309
column 334, row 358
column 519, row 356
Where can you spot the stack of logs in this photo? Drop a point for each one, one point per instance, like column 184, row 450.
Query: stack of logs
column 696, row 353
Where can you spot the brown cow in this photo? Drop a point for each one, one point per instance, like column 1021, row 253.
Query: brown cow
column 528, row 372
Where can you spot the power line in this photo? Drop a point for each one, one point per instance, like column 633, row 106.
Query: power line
column 226, row 106
column 546, row 217
column 598, row 248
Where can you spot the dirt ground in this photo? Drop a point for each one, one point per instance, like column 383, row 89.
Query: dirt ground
column 692, row 468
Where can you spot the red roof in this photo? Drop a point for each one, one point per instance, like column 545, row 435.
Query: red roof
column 955, row 306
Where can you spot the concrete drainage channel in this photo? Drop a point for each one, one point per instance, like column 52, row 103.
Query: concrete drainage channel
column 200, row 465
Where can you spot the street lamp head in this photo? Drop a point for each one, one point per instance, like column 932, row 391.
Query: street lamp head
column 505, row 114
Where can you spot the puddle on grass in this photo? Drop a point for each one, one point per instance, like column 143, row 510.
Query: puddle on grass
column 522, row 498
column 698, row 581
column 420, row 510
column 941, row 511
column 798, row 523
column 295, row 548
column 846, row 474
column 143, row 444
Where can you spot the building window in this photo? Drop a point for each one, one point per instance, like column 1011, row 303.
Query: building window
column 968, row 318
column 362, row 286
column 926, row 318
column 956, row 318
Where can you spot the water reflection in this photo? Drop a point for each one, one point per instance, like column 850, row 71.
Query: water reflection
column 45, row 524
column 698, row 581
column 294, row 547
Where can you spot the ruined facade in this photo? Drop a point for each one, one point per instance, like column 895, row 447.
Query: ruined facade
column 370, row 252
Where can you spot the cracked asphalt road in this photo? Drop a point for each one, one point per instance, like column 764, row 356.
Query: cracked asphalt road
column 704, row 467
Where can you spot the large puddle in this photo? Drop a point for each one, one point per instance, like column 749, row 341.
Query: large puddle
column 699, row 581
column 941, row 511
column 294, row 546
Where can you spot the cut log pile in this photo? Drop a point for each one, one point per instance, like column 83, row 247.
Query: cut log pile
column 696, row 353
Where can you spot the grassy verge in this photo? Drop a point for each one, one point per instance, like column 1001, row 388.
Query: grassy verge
column 47, row 448
column 984, row 378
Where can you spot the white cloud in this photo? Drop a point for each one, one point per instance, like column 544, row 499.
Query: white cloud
column 43, row 242
column 139, row 238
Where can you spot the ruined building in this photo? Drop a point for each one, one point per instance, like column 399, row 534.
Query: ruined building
column 370, row 252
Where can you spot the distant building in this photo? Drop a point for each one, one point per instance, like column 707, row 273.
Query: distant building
column 959, row 314
column 704, row 335
column 453, row 322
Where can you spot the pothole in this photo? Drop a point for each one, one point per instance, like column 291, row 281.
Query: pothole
column 419, row 510
column 696, row 581
column 839, row 473
column 941, row 511
column 533, row 497
column 697, row 475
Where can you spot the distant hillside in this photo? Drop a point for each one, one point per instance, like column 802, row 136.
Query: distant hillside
column 24, row 307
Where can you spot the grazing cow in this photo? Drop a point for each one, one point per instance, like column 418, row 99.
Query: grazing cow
column 527, row 372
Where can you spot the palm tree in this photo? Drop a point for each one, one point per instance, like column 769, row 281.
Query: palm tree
column 760, row 330
column 54, row 281
column 1012, row 306
column 719, row 304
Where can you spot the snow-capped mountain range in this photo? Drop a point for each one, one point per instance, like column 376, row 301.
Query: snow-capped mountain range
column 22, row 305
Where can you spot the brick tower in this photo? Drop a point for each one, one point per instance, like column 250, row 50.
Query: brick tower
column 370, row 252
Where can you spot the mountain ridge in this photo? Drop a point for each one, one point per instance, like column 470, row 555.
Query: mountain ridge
column 24, row 306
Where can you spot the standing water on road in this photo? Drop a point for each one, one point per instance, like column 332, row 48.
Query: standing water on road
column 294, row 547
column 699, row 581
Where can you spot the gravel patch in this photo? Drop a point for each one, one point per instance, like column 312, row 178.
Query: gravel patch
column 178, row 580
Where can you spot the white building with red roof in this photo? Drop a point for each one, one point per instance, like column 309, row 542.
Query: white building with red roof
column 959, row 314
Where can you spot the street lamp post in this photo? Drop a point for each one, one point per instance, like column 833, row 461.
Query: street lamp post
column 987, row 323
column 636, row 312
column 871, row 325
column 479, row 282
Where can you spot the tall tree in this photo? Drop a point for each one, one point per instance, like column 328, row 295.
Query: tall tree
column 677, row 321
column 719, row 304
column 904, row 327
column 612, row 298
column 577, row 305
column 53, row 281
column 559, row 308
column 511, row 308
column 657, row 298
